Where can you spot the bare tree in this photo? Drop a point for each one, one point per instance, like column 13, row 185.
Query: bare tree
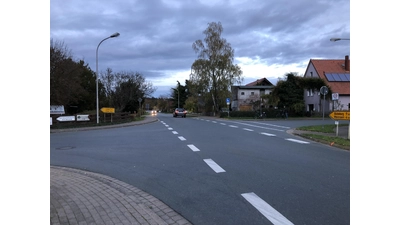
column 213, row 73
column 124, row 89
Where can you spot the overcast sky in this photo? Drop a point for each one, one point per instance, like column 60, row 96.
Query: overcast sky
column 270, row 38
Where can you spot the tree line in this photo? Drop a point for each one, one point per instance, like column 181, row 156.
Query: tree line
column 73, row 84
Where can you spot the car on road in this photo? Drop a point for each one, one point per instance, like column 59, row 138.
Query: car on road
column 153, row 112
column 179, row 112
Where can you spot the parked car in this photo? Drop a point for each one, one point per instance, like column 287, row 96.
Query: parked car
column 179, row 112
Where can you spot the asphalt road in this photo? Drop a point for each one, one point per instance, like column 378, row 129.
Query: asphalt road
column 215, row 171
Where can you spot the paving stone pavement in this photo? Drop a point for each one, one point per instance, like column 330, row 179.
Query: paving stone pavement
column 82, row 197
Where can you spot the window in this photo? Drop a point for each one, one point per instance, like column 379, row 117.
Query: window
column 252, row 93
column 310, row 92
column 242, row 93
column 311, row 75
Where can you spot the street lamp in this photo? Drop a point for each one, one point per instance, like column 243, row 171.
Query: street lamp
column 179, row 87
column 339, row 39
column 97, row 74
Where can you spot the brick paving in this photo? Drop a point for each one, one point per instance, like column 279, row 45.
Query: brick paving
column 82, row 198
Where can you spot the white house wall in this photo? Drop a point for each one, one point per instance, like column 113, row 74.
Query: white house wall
column 313, row 97
column 247, row 98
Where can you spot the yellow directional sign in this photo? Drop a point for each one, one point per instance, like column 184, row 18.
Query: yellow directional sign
column 340, row 115
column 108, row 110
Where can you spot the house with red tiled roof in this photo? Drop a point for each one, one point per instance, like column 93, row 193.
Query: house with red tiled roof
column 248, row 97
column 336, row 74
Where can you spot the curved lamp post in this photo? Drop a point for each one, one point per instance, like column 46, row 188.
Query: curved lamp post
column 339, row 39
column 97, row 74
column 179, row 88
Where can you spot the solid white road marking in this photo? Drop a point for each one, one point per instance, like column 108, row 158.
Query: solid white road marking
column 298, row 141
column 214, row 166
column 174, row 132
column 268, row 211
column 251, row 125
column 182, row 138
column 194, row 148
column 248, row 129
column 267, row 134
column 272, row 125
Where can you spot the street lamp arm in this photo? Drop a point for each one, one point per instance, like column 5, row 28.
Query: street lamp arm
column 338, row 39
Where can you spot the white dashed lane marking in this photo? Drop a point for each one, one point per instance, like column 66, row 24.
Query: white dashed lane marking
column 214, row 165
column 267, row 134
column 297, row 141
column 182, row 138
column 268, row 211
column 194, row 148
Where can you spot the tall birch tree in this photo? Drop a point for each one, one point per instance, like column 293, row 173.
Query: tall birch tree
column 214, row 72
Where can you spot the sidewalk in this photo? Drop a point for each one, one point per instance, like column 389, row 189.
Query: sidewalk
column 83, row 197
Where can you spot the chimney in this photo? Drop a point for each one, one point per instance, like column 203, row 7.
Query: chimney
column 346, row 63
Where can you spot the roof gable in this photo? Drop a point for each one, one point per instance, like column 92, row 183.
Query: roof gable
column 260, row 82
column 328, row 66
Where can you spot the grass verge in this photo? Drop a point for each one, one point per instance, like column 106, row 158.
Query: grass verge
column 332, row 141
column 325, row 135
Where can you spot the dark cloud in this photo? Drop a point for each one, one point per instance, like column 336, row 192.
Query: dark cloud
column 157, row 36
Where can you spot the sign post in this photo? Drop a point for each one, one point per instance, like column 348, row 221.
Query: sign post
column 340, row 115
column 228, row 102
column 140, row 107
column 323, row 90
column 107, row 110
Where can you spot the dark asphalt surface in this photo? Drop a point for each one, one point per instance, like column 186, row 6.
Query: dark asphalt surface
column 83, row 197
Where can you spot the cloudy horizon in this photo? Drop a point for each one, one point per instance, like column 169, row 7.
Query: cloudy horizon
column 270, row 38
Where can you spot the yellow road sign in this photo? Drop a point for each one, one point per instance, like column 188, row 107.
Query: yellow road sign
column 340, row 115
column 108, row 110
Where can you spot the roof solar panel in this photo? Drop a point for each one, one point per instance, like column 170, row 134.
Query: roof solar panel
column 329, row 77
column 336, row 77
column 344, row 77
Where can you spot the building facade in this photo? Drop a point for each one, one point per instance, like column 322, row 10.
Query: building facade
column 248, row 97
column 336, row 74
